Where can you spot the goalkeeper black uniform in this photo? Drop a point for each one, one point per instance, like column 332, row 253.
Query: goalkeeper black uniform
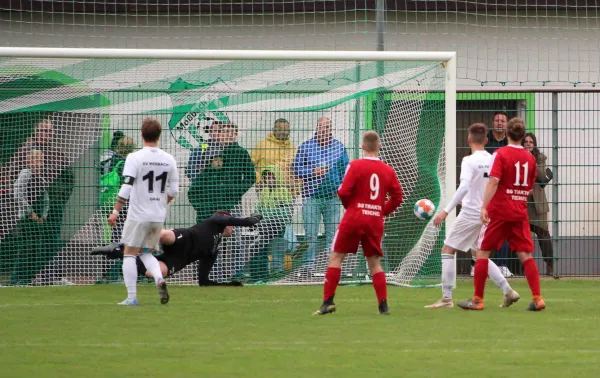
column 183, row 246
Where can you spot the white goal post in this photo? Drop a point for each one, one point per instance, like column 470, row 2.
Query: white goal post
column 393, row 73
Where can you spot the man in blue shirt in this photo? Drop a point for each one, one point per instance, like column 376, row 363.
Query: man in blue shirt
column 320, row 163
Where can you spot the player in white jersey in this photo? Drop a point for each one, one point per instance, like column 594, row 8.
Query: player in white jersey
column 151, row 182
column 465, row 230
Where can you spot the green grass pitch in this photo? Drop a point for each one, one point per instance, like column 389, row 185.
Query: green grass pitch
column 270, row 332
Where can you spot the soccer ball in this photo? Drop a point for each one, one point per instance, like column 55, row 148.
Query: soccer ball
column 424, row 209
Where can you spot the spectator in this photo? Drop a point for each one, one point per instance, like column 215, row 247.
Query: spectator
column 31, row 234
column 222, row 175
column 115, row 166
column 276, row 150
column 201, row 157
column 497, row 135
column 110, row 184
column 230, row 171
column 537, row 204
column 496, row 139
column 320, row 163
column 275, row 205
column 106, row 160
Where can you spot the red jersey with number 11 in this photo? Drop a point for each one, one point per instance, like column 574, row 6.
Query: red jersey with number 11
column 364, row 191
column 514, row 166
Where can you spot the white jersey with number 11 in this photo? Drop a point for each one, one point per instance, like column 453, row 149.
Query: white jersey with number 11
column 155, row 179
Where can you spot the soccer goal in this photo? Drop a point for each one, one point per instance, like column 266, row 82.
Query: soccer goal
column 248, row 129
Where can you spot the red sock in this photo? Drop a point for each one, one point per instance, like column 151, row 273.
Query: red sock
column 533, row 277
column 332, row 278
column 380, row 286
column 481, row 274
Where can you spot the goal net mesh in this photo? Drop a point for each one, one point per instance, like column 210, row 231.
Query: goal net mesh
column 248, row 137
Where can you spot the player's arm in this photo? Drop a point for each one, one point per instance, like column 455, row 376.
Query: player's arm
column 466, row 176
column 173, row 183
column 348, row 183
column 129, row 173
column 395, row 192
column 228, row 220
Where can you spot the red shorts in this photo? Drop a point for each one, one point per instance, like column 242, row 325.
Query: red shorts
column 347, row 241
column 496, row 232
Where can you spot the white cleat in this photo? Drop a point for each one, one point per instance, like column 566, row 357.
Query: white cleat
column 128, row 302
column 442, row 303
column 510, row 298
column 505, row 271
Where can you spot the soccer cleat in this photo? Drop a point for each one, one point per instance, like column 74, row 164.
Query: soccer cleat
column 474, row 303
column 505, row 271
column 510, row 298
column 442, row 303
column 163, row 292
column 129, row 302
column 112, row 251
column 537, row 304
column 383, row 308
column 326, row 308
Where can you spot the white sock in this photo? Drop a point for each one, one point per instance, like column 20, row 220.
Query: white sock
column 448, row 275
column 130, row 276
column 497, row 277
column 152, row 265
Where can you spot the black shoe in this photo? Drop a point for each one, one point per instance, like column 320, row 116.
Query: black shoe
column 112, row 251
column 383, row 308
column 326, row 308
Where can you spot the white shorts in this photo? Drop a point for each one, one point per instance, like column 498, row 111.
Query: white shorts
column 139, row 234
column 464, row 234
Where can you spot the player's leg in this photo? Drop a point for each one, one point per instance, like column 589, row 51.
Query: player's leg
column 521, row 241
column 342, row 241
column 130, row 274
column 498, row 278
column 448, row 278
column 491, row 237
column 462, row 236
column 371, row 244
column 150, row 243
column 163, row 269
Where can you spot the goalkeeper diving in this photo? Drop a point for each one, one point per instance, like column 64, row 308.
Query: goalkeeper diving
column 184, row 246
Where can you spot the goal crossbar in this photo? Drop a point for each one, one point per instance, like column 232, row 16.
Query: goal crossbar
column 177, row 54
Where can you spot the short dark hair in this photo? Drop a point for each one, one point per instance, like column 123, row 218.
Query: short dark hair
column 280, row 120
column 499, row 113
column 371, row 141
column 478, row 132
column 515, row 128
column 151, row 130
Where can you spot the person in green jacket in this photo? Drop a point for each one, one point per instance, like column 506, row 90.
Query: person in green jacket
column 228, row 176
column 275, row 203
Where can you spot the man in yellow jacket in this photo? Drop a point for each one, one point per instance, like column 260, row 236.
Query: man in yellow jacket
column 276, row 150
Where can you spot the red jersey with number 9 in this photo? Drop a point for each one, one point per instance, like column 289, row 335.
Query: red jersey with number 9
column 514, row 166
column 364, row 191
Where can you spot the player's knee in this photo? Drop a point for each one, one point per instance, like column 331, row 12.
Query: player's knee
column 447, row 250
column 336, row 259
column 374, row 263
column 524, row 256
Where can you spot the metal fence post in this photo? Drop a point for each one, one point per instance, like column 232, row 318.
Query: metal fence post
column 556, row 178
